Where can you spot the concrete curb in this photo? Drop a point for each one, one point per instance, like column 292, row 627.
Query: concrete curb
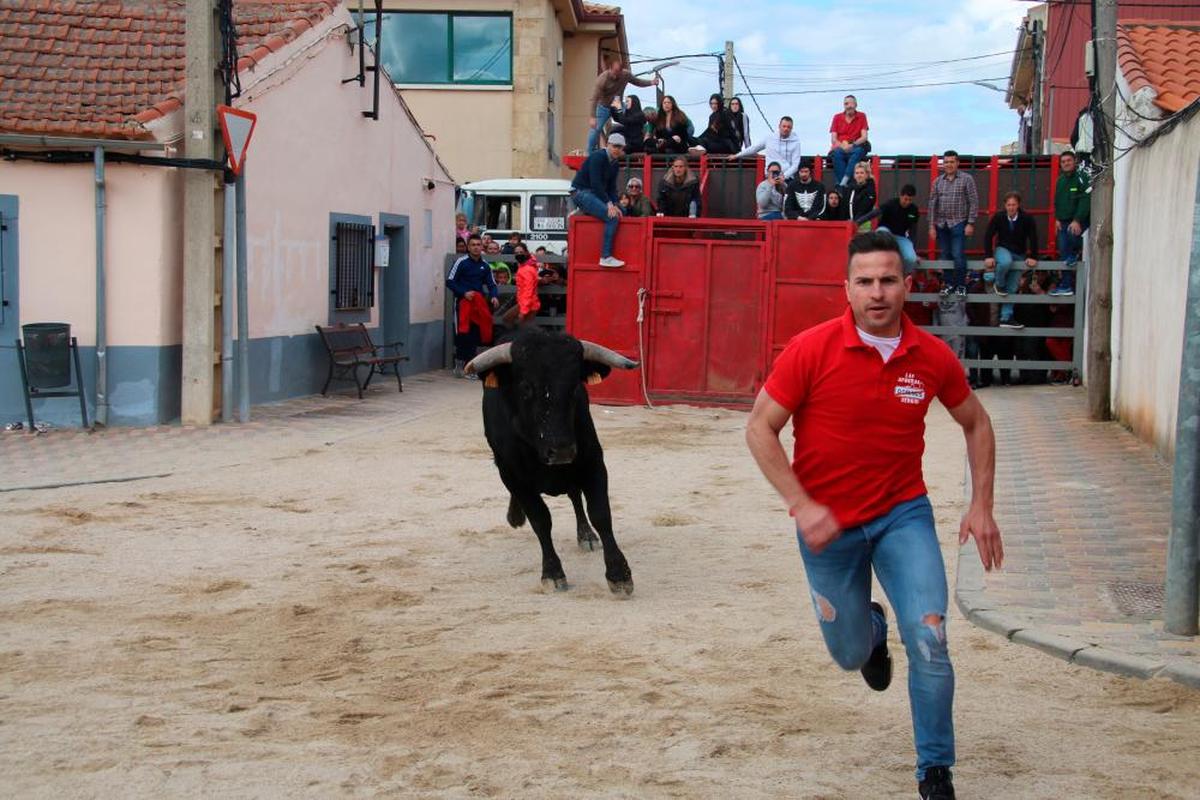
column 979, row 611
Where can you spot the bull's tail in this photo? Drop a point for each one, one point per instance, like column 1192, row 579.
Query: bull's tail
column 516, row 514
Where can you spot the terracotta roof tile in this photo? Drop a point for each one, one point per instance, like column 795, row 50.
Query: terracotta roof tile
column 1164, row 56
column 105, row 69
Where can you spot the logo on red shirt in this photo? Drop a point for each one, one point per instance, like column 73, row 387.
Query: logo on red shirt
column 910, row 389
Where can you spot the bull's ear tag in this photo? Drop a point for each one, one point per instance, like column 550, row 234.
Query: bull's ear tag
column 491, row 381
column 594, row 378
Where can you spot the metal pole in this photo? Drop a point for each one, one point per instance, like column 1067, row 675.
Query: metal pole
column 227, row 291
column 1039, row 43
column 101, row 296
column 1182, row 607
column 1099, row 305
column 727, row 78
column 243, row 310
column 204, row 86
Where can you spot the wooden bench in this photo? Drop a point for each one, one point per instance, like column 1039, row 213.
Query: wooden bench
column 350, row 347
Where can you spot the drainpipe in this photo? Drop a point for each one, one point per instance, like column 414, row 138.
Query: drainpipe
column 101, row 416
column 243, row 311
column 227, row 256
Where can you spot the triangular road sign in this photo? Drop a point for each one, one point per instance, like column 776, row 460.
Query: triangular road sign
column 237, row 127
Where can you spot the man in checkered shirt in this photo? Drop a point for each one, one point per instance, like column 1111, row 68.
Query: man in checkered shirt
column 953, row 207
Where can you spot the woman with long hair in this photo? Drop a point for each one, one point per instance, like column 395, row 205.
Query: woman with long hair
column 740, row 124
column 718, row 136
column 671, row 130
column 679, row 191
column 630, row 121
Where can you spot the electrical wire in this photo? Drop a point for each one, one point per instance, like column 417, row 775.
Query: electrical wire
column 852, row 90
column 877, row 64
column 750, row 92
column 229, row 52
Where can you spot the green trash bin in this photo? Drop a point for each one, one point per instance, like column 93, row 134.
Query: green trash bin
column 47, row 354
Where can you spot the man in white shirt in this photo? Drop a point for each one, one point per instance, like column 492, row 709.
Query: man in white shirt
column 783, row 147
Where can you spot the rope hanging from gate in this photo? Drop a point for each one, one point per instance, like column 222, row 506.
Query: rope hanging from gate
column 641, row 318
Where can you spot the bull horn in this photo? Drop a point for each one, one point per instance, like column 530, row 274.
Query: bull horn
column 602, row 355
column 490, row 359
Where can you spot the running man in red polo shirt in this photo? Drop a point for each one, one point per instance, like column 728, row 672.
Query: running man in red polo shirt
column 857, row 389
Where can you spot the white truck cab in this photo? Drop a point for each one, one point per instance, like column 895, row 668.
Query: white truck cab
column 537, row 208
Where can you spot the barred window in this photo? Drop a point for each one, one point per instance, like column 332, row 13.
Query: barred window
column 354, row 276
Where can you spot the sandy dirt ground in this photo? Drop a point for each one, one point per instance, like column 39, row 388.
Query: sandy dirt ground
column 358, row 620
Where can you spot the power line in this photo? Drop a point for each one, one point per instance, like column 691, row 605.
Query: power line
column 750, row 92
column 876, row 64
column 877, row 88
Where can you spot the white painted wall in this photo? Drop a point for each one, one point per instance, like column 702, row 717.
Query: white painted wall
column 1153, row 208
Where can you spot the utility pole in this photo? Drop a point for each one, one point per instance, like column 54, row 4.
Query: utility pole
column 1099, row 285
column 201, row 207
column 1182, row 607
column 727, row 78
column 1039, row 64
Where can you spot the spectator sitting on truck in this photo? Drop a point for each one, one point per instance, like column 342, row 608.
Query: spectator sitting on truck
column 835, row 210
column 740, row 123
column 630, row 122
column 783, row 147
column 847, row 140
column 594, row 190
column 679, row 191
column 718, row 138
column 609, row 84
column 805, row 197
column 1011, row 236
column 671, row 128
column 898, row 217
column 860, row 197
column 768, row 195
column 634, row 202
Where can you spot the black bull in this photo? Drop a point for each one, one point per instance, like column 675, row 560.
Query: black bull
column 538, row 424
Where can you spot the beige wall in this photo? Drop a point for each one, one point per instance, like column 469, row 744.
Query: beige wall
column 57, row 258
column 538, row 39
column 472, row 129
column 1150, row 281
column 579, row 79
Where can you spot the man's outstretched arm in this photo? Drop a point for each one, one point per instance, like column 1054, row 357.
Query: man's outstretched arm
column 981, row 454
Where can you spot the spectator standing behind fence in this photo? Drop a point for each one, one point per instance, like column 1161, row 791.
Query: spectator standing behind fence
column 671, row 128
column 740, row 123
column 609, row 84
column 718, row 138
column 510, row 246
column 805, row 197
column 679, row 191
column 1072, row 211
column 528, row 303
column 768, row 195
column 460, row 226
column 847, row 140
column 835, row 210
column 1011, row 236
column 898, row 217
column 594, row 190
column 631, row 123
column 469, row 279
column 634, row 202
column 953, row 206
column 783, row 147
column 860, row 197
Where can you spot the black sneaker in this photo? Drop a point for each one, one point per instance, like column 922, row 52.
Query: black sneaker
column 937, row 785
column 877, row 672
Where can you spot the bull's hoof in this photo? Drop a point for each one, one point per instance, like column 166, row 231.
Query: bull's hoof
column 588, row 541
column 555, row 584
column 621, row 587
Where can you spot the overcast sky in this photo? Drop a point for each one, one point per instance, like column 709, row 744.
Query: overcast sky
column 805, row 45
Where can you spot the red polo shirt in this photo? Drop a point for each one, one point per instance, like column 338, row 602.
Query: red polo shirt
column 860, row 423
column 849, row 131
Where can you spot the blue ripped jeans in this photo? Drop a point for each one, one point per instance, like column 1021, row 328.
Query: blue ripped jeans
column 902, row 548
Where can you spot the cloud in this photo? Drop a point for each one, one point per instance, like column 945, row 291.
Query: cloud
column 816, row 53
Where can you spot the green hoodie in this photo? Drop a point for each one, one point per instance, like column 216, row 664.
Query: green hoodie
column 1072, row 198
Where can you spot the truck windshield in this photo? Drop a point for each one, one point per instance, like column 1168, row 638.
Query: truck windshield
column 497, row 212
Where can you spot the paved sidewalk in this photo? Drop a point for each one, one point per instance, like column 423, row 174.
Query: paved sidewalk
column 1085, row 509
column 61, row 457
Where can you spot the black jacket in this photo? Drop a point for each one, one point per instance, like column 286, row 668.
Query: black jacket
column 897, row 219
column 1020, row 239
column 663, row 134
column 860, row 200
column 831, row 214
column 718, row 136
column 632, row 124
column 805, row 199
column 675, row 201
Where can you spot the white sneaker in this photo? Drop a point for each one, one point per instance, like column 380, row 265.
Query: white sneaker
column 609, row 261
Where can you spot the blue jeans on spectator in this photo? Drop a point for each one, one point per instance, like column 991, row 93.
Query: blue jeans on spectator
column 1007, row 278
column 602, row 116
column 902, row 548
column 770, row 215
column 952, row 241
column 1070, row 250
column 593, row 206
column 843, row 162
column 908, row 253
